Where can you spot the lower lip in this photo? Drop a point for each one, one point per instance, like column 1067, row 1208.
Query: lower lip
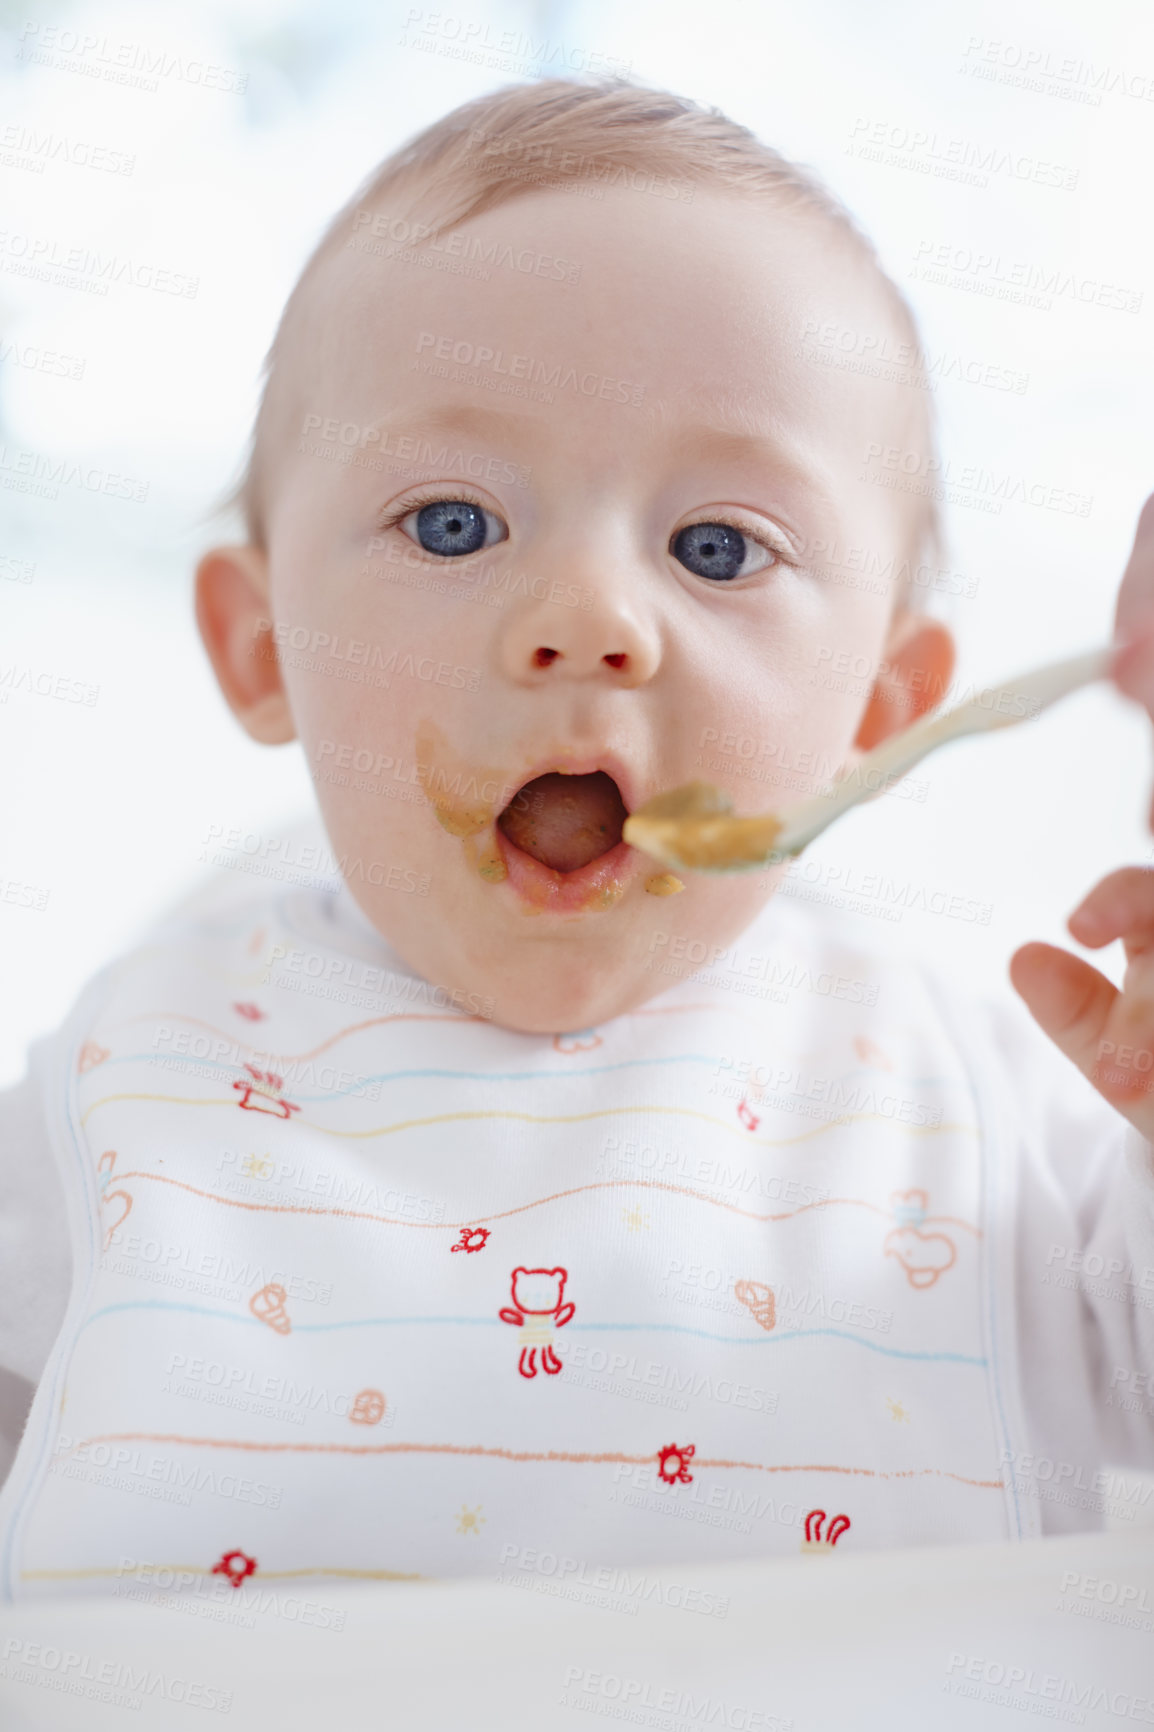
column 596, row 886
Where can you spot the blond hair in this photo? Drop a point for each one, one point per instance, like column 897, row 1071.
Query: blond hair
column 557, row 133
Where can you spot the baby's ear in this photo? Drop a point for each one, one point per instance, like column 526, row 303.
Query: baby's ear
column 232, row 611
column 916, row 668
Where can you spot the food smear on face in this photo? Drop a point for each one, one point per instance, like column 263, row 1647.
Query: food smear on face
column 464, row 796
column 460, row 822
column 491, row 866
column 483, row 857
column 664, row 884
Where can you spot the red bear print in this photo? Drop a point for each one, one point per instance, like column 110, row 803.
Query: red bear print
column 537, row 1296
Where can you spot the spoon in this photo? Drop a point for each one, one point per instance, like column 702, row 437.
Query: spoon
column 693, row 827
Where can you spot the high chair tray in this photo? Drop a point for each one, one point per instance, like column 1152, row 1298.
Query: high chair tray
column 932, row 1638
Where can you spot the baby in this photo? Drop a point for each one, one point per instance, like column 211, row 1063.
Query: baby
column 494, row 1228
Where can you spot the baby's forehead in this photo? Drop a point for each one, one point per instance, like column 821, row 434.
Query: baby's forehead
column 723, row 241
column 732, row 295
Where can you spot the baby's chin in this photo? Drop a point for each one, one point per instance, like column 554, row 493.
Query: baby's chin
column 541, row 979
column 540, row 1005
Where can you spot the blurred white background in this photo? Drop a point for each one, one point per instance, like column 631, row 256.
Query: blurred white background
column 106, row 808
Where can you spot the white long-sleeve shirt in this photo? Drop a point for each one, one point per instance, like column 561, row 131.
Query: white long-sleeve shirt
column 857, row 1244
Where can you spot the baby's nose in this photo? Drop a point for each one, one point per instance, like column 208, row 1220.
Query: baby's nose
column 579, row 636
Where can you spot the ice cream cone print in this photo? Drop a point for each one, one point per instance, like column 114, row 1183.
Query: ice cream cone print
column 758, row 1299
column 368, row 1407
column 269, row 1306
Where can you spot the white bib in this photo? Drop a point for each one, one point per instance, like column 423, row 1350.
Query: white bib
column 367, row 1286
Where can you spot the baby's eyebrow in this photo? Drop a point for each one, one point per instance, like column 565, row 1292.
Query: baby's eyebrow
column 743, row 439
column 727, row 428
column 465, row 418
column 770, row 447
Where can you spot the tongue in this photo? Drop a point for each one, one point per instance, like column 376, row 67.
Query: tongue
column 565, row 821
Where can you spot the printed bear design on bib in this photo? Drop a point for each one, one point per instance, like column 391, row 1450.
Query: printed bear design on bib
column 537, row 1296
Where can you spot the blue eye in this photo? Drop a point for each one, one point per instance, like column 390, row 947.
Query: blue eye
column 717, row 551
column 452, row 528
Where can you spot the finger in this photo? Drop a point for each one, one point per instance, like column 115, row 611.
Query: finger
column 1121, row 906
column 1132, row 669
column 1136, row 593
column 1082, row 1012
column 1069, row 1000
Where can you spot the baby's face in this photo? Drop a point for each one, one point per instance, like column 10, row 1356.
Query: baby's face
column 599, row 559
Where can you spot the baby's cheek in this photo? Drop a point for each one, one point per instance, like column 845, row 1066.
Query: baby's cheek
column 321, row 708
column 331, row 716
column 772, row 757
column 353, row 738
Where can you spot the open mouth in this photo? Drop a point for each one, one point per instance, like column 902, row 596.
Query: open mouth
column 565, row 822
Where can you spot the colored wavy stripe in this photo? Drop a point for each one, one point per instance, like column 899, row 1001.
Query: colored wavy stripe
column 564, row 1073
column 253, row 1582
column 234, row 1037
column 942, row 1356
column 538, row 1203
column 406, row 1016
column 497, row 1452
column 650, row 1108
